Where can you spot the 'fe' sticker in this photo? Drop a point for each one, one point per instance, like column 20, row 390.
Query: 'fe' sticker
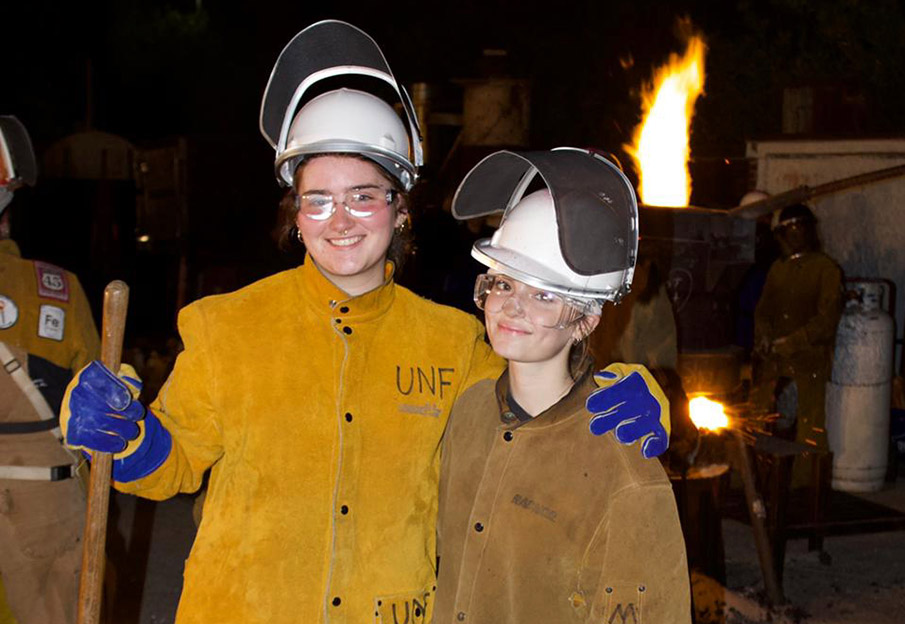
column 51, row 322
column 9, row 312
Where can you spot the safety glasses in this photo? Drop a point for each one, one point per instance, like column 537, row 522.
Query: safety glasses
column 360, row 203
column 548, row 309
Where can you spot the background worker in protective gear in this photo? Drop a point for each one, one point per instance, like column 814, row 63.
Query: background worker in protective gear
column 317, row 396
column 795, row 328
column 539, row 520
column 46, row 335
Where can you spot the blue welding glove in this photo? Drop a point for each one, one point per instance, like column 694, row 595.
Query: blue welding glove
column 630, row 403
column 101, row 412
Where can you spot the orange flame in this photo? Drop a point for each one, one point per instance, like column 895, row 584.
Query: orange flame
column 707, row 414
column 660, row 145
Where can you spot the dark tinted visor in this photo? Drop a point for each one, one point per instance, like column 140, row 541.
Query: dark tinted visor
column 596, row 209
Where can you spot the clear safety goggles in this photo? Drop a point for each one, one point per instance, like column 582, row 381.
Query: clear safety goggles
column 548, row 309
column 359, row 203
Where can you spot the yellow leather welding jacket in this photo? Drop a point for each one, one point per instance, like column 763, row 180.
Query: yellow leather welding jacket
column 541, row 521
column 321, row 417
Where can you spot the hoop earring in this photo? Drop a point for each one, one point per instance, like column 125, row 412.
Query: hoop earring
column 295, row 233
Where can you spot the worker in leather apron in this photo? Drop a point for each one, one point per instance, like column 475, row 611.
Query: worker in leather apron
column 46, row 334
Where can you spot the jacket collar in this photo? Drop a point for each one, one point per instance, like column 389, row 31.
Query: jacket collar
column 556, row 413
column 9, row 246
column 330, row 300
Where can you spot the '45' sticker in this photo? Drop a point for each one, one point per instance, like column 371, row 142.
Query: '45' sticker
column 52, row 281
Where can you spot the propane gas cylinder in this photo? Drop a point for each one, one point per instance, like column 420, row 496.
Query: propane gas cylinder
column 858, row 395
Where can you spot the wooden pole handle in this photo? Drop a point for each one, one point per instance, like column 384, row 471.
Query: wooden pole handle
column 91, row 581
column 756, row 513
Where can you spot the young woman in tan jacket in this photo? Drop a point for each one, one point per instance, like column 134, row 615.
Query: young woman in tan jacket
column 539, row 520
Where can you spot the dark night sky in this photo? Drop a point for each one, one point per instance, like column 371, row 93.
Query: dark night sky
column 161, row 69
column 165, row 68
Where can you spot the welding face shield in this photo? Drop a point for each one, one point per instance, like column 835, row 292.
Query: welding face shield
column 340, row 121
column 577, row 237
column 17, row 159
column 795, row 229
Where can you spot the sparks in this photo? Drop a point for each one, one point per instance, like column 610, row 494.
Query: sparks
column 707, row 414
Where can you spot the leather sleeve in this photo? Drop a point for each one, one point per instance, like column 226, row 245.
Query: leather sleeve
column 186, row 409
column 766, row 309
column 645, row 572
column 821, row 328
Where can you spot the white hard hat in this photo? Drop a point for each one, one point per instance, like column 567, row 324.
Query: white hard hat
column 342, row 120
column 348, row 121
column 753, row 196
column 577, row 237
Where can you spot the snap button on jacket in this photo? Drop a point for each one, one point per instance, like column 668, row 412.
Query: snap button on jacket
column 544, row 522
column 321, row 416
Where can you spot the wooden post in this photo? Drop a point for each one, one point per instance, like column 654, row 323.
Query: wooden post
column 116, row 301
column 757, row 513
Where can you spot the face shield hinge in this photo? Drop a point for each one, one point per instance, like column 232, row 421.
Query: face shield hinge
column 620, row 294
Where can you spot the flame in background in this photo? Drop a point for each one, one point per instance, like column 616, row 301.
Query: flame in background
column 707, row 414
column 660, row 148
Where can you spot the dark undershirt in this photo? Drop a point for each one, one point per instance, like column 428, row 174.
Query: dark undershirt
column 513, row 409
column 517, row 409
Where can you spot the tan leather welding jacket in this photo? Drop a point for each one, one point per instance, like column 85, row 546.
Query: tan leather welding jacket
column 46, row 325
column 543, row 522
column 801, row 302
column 321, row 416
